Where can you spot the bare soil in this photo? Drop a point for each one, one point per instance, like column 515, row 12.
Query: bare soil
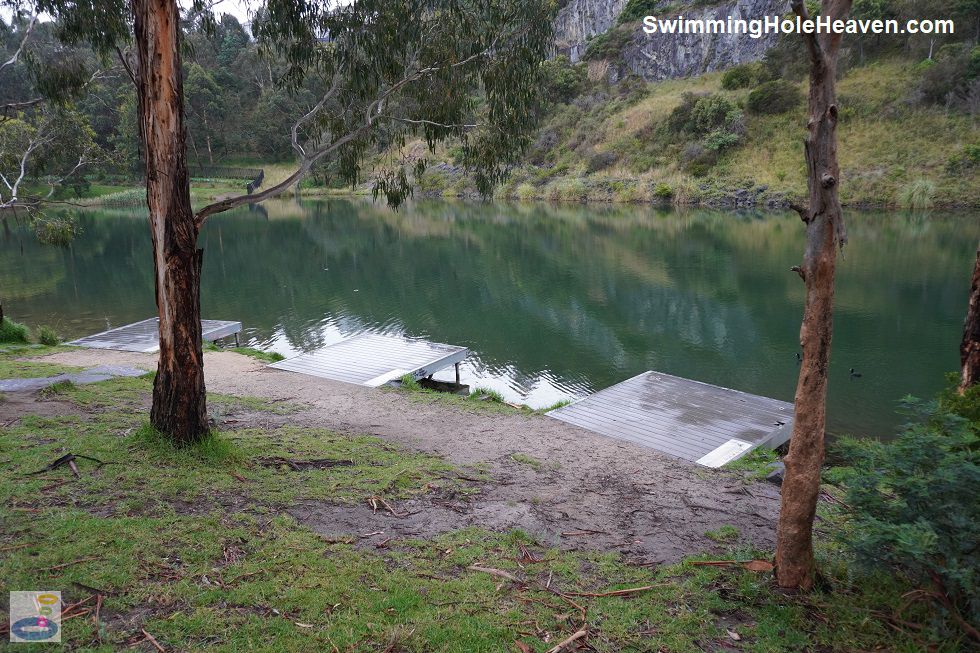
column 591, row 492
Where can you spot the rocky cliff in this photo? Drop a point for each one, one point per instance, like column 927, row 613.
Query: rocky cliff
column 580, row 20
column 666, row 56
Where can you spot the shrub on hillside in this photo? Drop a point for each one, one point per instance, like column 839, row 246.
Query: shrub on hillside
column 914, row 507
column 637, row 10
column 777, row 96
column 561, row 80
column 609, row 44
column 600, row 161
column 742, row 76
column 949, row 80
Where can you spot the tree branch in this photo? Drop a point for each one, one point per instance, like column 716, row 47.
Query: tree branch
column 811, row 40
column 23, row 43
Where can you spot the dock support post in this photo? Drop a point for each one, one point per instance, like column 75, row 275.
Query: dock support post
column 236, row 340
column 457, row 373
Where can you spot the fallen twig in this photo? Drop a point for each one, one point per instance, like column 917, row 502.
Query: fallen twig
column 68, row 459
column 152, row 640
column 751, row 565
column 16, row 546
column 625, row 592
column 569, row 640
column 583, row 532
column 73, row 562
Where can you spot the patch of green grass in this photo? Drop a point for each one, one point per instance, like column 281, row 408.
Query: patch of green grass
column 530, row 461
column 480, row 399
column 17, row 362
column 57, row 389
column 267, row 356
column 11, row 331
column 193, row 545
column 755, row 464
column 555, row 406
column 725, row 533
column 48, row 336
column 221, row 404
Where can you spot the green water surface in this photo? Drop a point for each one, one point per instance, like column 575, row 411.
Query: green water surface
column 555, row 302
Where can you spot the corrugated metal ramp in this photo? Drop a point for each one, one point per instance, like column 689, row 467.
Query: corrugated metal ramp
column 699, row 422
column 373, row 359
column 145, row 336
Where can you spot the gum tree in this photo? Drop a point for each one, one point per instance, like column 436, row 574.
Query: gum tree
column 385, row 71
column 825, row 232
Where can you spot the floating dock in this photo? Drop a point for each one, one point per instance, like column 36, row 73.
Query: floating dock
column 699, row 422
column 373, row 359
column 145, row 336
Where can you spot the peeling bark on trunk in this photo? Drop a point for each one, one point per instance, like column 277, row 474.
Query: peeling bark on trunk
column 970, row 347
column 824, row 233
column 179, row 408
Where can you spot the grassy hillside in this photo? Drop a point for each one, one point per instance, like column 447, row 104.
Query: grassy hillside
column 625, row 144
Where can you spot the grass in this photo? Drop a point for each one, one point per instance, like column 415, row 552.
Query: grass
column 12, row 332
column 755, row 464
column 530, row 461
column 723, row 534
column 194, row 546
column 258, row 354
column 893, row 150
column 480, row 399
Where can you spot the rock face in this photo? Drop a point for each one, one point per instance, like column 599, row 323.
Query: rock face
column 580, row 20
column 667, row 56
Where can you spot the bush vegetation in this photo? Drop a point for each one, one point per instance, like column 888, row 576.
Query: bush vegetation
column 913, row 503
column 12, row 332
column 47, row 336
column 770, row 98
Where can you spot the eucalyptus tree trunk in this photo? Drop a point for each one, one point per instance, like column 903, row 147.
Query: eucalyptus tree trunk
column 970, row 347
column 824, row 233
column 179, row 408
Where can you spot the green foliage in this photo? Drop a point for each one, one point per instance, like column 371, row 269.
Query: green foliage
column 663, row 191
column 917, row 195
column 770, row 98
column 488, row 98
column 58, row 229
column 561, row 80
column 637, row 10
column 965, row 160
column 952, row 79
column 609, row 44
column 11, row 331
column 724, row 533
column 741, row 76
column 965, row 404
column 913, row 503
column 720, row 139
column 48, row 336
column 258, row 354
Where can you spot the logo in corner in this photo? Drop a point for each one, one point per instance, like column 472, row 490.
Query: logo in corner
column 35, row 616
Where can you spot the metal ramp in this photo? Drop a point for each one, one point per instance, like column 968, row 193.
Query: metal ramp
column 373, row 359
column 145, row 336
column 699, row 422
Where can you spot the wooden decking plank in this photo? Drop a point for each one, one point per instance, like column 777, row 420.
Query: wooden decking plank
column 143, row 336
column 681, row 417
column 367, row 358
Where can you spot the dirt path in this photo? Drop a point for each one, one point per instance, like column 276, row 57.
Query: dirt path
column 614, row 495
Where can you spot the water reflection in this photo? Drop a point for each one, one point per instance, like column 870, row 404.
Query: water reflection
column 554, row 301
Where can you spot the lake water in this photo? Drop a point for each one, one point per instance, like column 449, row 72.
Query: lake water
column 555, row 302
